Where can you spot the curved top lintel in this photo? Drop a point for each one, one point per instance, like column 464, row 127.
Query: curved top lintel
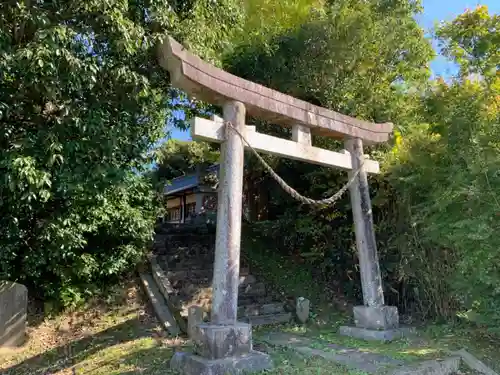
column 211, row 84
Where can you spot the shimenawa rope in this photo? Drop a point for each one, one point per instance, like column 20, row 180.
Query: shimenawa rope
column 287, row 188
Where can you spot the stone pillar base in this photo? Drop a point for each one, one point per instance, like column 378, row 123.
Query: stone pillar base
column 378, row 318
column 220, row 341
column 191, row 364
column 221, row 350
column 376, row 323
column 376, row 335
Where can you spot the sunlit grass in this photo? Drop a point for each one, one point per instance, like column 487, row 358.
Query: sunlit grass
column 119, row 336
column 144, row 355
column 287, row 362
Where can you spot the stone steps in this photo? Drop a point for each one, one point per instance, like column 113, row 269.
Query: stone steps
column 254, row 305
column 248, row 305
column 199, row 265
column 261, row 309
column 206, row 282
column 251, row 310
column 254, row 300
column 269, row 319
column 245, row 290
column 194, row 275
column 183, row 269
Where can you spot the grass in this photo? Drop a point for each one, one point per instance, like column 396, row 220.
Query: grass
column 290, row 363
column 431, row 342
column 119, row 336
column 122, row 337
column 434, row 341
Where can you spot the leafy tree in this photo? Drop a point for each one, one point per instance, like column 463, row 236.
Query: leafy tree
column 177, row 158
column 358, row 58
column 265, row 19
column 472, row 40
column 445, row 176
column 82, row 100
column 350, row 56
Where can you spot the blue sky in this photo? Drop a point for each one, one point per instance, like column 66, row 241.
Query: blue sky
column 443, row 10
column 434, row 11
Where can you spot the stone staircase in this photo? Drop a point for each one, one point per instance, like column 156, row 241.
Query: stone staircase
column 182, row 267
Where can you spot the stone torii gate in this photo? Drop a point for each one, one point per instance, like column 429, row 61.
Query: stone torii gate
column 224, row 346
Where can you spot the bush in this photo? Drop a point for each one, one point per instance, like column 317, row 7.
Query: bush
column 71, row 255
column 445, row 178
column 80, row 104
column 82, row 101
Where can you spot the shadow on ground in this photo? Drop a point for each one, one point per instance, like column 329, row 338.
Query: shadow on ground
column 126, row 348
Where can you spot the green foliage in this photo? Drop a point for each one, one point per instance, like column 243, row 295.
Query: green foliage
column 436, row 206
column 472, row 40
column 176, row 158
column 445, row 177
column 350, row 56
column 82, row 101
column 209, row 26
column 265, row 19
column 361, row 59
column 287, row 278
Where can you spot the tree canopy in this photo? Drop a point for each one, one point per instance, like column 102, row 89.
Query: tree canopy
column 435, row 203
column 349, row 56
column 82, row 102
column 176, row 158
column 446, row 174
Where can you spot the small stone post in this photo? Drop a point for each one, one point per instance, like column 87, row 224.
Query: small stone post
column 373, row 320
column 195, row 318
column 224, row 346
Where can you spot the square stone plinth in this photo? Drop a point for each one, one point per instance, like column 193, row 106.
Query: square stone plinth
column 377, row 318
column 191, row 364
column 220, row 341
column 376, row 335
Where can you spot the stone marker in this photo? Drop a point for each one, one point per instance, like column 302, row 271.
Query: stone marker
column 195, row 317
column 302, row 308
column 13, row 307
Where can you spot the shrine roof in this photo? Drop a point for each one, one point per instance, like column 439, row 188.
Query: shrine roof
column 189, row 181
column 206, row 82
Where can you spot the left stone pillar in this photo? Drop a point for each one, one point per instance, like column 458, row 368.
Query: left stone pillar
column 229, row 209
column 224, row 346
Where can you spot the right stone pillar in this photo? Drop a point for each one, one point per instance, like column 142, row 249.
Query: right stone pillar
column 373, row 320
